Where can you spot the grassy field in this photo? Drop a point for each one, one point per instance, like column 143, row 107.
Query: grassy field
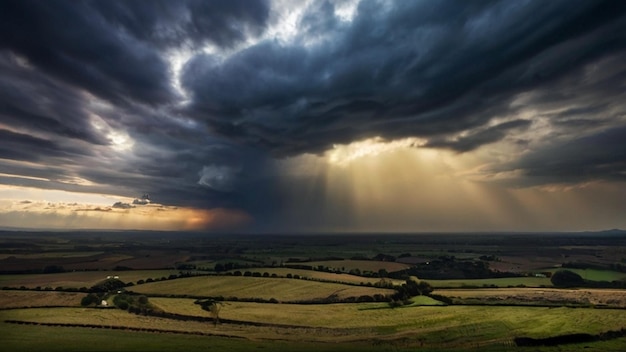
column 77, row 279
column 15, row 299
column 255, row 287
column 499, row 282
column 343, row 325
column 55, row 339
column 538, row 296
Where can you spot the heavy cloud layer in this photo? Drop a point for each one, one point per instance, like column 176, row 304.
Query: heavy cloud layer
column 197, row 102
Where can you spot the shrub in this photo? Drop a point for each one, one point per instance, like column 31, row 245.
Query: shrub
column 566, row 278
column 89, row 300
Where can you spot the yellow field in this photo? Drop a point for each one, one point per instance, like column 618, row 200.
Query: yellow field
column 435, row 326
column 377, row 315
column 15, row 299
column 255, row 287
column 613, row 298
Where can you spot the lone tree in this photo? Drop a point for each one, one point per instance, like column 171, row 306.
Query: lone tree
column 212, row 306
column 566, row 278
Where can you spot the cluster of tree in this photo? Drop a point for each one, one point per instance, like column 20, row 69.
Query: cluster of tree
column 125, row 301
column 255, row 274
column 108, row 285
column 91, row 299
column 411, row 288
column 448, row 267
column 578, row 265
column 384, row 258
column 569, row 338
column 221, row 267
column 170, row 277
column 568, row 278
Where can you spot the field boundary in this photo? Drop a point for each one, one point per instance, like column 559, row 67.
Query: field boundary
column 117, row 327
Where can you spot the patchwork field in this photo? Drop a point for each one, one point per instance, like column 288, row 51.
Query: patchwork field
column 242, row 287
column 431, row 327
column 79, row 279
column 42, row 311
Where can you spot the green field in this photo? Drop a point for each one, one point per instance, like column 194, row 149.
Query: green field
column 63, row 339
column 256, row 287
column 343, row 326
column 480, row 318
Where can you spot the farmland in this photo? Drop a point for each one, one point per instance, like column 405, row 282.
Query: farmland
column 78, row 279
column 253, row 287
column 315, row 293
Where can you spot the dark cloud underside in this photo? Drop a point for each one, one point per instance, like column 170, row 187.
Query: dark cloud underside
column 199, row 102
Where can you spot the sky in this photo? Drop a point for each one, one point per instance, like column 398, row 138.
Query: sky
column 313, row 116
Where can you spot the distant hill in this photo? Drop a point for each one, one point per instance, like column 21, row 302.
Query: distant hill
column 612, row 232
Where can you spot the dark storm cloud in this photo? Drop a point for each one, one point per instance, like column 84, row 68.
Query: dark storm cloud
column 32, row 101
column 87, row 90
column 399, row 69
column 72, row 42
column 62, row 62
column 187, row 23
column 18, row 146
column 477, row 139
column 600, row 156
column 110, row 48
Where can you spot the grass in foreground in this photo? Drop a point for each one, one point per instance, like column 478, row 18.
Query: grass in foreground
column 352, row 329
